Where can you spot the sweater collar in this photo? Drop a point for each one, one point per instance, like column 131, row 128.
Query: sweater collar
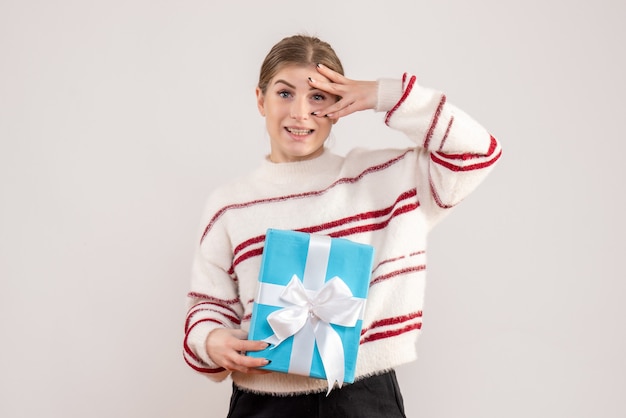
column 327, row 164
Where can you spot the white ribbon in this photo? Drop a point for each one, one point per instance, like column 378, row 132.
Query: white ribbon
column 307, row 315
column 332, row 304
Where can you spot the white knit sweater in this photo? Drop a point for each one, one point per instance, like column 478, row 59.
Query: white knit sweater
column 388, row 198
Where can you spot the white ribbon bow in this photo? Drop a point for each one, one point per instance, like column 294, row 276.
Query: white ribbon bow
column 332, row 304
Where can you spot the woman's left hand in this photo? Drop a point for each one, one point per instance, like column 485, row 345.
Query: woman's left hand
column 354, row 95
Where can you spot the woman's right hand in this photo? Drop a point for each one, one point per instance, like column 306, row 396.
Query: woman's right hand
column 226, row 346
column 354, row 95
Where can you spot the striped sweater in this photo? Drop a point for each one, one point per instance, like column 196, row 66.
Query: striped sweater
column 388, row 198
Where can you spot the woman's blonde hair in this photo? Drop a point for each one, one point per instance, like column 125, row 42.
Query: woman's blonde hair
column 301, row 50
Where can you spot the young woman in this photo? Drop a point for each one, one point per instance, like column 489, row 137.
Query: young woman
column 387, row 198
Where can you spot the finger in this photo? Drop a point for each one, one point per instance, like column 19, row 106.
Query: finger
column 359, row 96
column 249, row 345
column 242, row 344
column 332, row 88
column 337, row 105
column 245, row 364
column 340, row 109
column 252, row 362
column 330, row 74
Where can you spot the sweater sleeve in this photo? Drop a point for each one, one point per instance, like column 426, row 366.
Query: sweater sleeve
column 213, row 300
column 454, row 152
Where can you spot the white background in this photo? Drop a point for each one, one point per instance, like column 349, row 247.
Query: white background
column 117, row 118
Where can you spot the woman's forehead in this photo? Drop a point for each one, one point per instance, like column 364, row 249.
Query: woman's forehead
column 299, row 74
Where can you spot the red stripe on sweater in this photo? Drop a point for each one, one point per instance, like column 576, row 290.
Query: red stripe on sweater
column 203, row 369
column 248, row 254
column 391, row 333
column 391, row 260
column 392, row 321
column 445, row 136
column 470, row 167
column 334, row 224
column 434, row 122
column 407, row 90
column 190, row 354
column 400, row 272
column 217, row 301
column 212, row 303
column 233, row 319
column 247, row 243
column 342, row 180
column 436, row 197
column 493, row 145
column 375, row 226
column 361, row 216
column 337, row 234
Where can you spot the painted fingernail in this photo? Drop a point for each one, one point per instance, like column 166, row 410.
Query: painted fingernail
column 267, row 361
column 319, row 65
column 311, row 80
column 314, row 113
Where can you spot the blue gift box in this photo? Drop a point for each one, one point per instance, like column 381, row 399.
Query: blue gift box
column 310, row 304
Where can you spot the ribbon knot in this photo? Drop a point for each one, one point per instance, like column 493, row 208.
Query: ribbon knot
column 333, row 304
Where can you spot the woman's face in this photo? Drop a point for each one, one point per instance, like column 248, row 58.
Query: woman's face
column 287, row 104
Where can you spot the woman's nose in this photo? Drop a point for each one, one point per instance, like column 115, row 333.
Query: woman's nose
column 300, row 110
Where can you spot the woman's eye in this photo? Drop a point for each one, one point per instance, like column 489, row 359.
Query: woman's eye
column 319, row 97
column 284, row 94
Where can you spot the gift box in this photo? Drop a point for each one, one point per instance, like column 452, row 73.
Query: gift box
column 310, row 304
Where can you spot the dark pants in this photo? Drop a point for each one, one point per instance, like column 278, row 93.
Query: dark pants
column 373, row 397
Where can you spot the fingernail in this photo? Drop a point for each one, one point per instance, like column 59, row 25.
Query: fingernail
column 319, row 65
column 330, row 115
column 311, row 80
column 267, row 361
column 314, row 113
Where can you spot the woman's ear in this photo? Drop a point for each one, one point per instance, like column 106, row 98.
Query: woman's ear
column 260, row 101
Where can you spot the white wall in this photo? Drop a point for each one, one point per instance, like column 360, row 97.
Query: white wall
column 118, row 117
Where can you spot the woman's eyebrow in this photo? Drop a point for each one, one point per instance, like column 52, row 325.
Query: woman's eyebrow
column 284, row 82
column 280, row 80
